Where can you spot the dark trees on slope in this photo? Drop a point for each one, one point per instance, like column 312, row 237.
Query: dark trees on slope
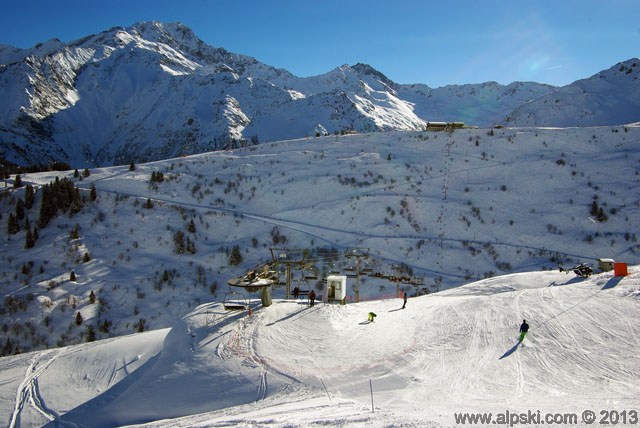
column 61, row 195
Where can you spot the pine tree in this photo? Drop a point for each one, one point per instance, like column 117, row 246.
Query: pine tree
column 29, row 240
column 192, row 227
column 17, row 182
column 92, row 297
column 179, row 244
column 48, row 209
column 76, row 202
column 20, row 209
column 91, row 334
column 79, row 318
column 191, row 246
column 148, row 205
column 13, row 226
column 132, row 166
column 105, row 326
column 8, row 347
column 29, row 196
column 602, row 216
column 236, row 257
column 93, row 195
column 72, row 276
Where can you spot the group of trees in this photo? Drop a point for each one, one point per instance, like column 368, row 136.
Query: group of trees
column 7, row 168
column 157, row 177
column 19, row 219
column 60, row 195
column 598, row 213
column 183, row 244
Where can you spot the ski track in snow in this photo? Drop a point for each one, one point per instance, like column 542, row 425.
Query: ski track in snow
column 519, row 375
column 302, row 366
column 29, row 391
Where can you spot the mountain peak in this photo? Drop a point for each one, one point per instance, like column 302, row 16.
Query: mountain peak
column 171, row 33
column 368, row 70
column 172, row 77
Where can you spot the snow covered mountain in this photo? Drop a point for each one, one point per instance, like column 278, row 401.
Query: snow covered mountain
column 154, row 91
column 485, row 104
column 611, row 96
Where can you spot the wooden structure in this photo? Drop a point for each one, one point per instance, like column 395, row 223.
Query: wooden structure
column 606, row 265
column 444, row 126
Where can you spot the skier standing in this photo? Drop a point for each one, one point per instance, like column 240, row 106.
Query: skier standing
column 524, row 328
column 405, row 299
column 312, row 298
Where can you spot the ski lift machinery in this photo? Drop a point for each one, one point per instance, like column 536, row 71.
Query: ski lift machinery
column 357, row 253
column 260, row 279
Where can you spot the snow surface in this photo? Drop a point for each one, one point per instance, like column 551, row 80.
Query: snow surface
column 451, row 208
column 291, row 365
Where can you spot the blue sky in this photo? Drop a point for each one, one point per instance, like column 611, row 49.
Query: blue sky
column 410, row 41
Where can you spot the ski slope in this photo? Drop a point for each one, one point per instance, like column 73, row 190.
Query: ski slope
column 291, row 365
column 448, row 208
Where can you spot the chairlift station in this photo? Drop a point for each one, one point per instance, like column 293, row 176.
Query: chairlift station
column 285, row 260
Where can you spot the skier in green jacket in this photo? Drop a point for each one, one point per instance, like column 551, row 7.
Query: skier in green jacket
column 524, row 328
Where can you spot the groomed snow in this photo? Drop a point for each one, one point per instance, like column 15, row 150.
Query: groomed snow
column 291, row 365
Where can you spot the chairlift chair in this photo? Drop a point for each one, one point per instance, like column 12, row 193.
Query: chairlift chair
column 311, row 274
column 235, row 301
